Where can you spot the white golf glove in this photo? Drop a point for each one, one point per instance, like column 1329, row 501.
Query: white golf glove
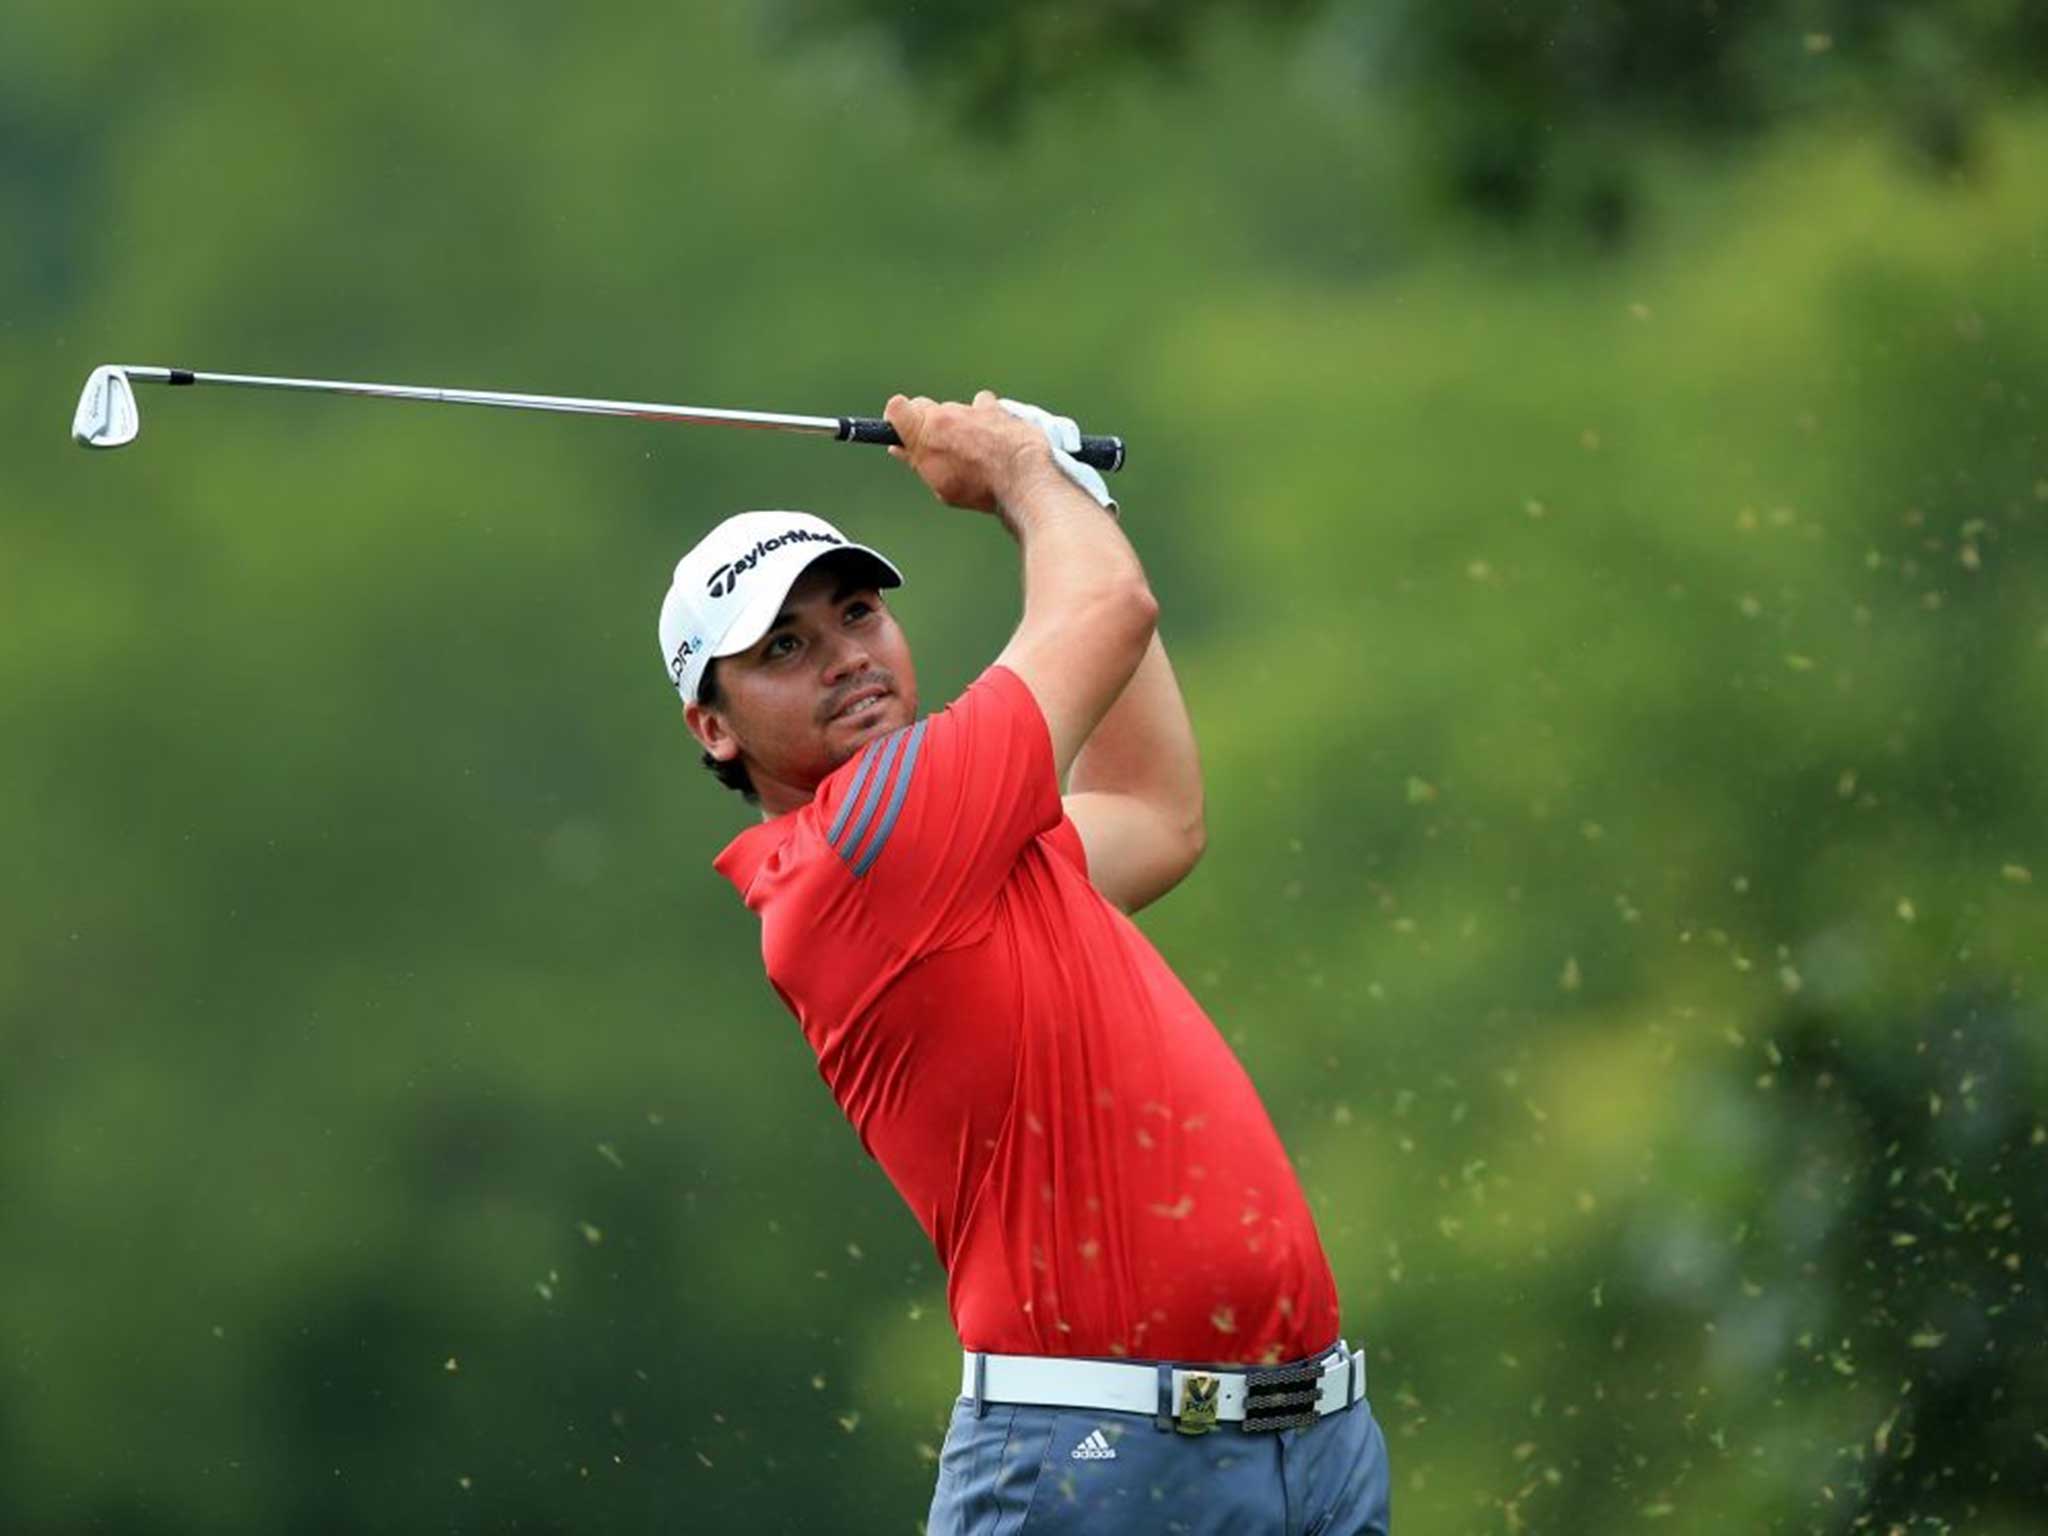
column 1065, row 437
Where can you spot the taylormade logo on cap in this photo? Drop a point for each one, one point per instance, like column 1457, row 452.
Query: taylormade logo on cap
column 727, row 591
column 726, row 577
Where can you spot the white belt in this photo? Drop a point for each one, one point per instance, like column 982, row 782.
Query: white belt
column 1121, row 1386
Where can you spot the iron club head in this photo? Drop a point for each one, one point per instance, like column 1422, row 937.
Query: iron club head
column 106, row 416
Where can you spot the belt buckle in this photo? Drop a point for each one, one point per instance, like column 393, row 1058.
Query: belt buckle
column 1197, row 1409
column 1283, row 1398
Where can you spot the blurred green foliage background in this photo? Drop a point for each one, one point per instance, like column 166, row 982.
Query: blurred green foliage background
column 1591, row 462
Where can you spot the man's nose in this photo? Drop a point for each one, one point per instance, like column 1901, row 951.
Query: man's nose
column 848, row 656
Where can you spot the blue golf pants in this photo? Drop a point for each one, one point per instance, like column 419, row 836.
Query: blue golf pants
column 1029, row 1469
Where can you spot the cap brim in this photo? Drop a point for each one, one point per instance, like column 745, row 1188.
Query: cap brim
column 758, row 617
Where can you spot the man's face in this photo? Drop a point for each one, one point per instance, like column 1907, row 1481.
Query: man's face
column 832, row 672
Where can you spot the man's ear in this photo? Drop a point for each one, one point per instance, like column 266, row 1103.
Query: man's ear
column 711, row 731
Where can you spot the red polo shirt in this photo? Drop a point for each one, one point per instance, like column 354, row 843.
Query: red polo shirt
column 1085, row 1153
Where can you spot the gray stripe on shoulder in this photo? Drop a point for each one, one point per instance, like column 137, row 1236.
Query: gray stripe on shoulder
column 844, row 848
column 867, row 761
column 895, row 799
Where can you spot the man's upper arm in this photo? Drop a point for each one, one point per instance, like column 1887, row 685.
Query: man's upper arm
column 1135, row 854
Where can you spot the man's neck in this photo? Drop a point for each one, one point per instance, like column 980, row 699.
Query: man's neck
column 778, row 799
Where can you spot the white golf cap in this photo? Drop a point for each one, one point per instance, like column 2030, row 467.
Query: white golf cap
column 728, row 590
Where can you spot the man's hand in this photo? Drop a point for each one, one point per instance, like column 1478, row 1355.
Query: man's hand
column 979, row 456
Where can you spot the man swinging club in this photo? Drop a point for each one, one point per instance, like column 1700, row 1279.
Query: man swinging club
column 1149, row 1322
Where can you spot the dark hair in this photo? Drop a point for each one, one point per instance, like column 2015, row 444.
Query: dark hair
column 732, row 775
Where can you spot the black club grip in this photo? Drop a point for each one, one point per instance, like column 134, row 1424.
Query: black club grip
column 1103, row 453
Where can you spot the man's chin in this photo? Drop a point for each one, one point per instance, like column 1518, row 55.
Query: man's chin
column 848, row 735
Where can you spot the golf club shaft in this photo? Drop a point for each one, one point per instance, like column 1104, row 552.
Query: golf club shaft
column 1106, row 453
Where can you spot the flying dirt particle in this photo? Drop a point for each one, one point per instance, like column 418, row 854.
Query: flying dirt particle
column 1905, row 909
column 450, row 1366
column 592, row 1235
column 2017, row 874
column 1569, row 979
column 610, row 1154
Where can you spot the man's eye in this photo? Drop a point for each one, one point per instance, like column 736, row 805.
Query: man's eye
column 778, row 641
column 858, row 610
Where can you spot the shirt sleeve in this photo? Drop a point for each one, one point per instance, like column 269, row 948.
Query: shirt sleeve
column 937, row 814
column 1065, row 839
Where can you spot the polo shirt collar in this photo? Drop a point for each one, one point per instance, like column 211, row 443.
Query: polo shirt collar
column 744, row 856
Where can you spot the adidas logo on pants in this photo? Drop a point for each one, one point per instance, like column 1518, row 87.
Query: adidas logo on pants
column 1095, row 1448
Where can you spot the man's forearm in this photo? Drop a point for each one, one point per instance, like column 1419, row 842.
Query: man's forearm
column 1145, row 747
column 1072, row 549
column 1088, row 614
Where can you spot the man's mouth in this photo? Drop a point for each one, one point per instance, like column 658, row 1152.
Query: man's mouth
column 864, row 698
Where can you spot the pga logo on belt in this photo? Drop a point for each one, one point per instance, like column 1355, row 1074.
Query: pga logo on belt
column 727, row 576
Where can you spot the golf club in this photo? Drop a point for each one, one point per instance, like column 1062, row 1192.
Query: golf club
column 107, row 418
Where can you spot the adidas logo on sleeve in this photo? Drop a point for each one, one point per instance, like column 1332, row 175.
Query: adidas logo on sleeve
column 1095, row 1448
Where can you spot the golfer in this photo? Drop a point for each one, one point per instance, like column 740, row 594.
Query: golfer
column 1149, row 1323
